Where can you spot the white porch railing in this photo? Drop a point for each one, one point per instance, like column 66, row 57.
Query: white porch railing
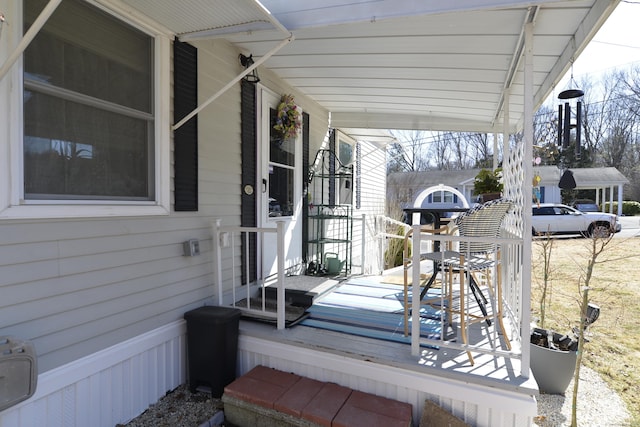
column 227, row 241
column 511, row 268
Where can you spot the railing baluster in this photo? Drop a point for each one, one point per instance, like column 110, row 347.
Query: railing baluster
column 281, row 296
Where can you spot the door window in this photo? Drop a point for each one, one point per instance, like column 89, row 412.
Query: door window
column 282, row 152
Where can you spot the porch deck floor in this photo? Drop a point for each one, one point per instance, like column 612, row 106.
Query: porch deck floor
column 488, row 369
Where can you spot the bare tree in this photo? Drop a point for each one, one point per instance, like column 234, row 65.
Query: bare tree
column 410, row 153
column 545, row 135
column 439, row 151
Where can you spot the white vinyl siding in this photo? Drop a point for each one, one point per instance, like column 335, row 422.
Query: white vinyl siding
column 372, row 202
column 74, row 286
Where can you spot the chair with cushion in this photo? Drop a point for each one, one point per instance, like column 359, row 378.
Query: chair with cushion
column 473, row 261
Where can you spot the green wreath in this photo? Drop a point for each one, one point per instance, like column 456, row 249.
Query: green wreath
column 288, row 118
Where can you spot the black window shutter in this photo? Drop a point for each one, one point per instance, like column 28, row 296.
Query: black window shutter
column 248, row 215
column 358, row 173
column 305, row 186
column 332, row 168
column 185, row 100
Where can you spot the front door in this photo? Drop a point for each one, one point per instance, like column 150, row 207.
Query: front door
column 280, row 178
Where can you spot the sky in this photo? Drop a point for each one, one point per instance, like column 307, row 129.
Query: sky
column 617, row 44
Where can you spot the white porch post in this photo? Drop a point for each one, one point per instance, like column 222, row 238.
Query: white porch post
column 527, row 189
column 611, row 199
column 280, row 289
column 363, row 242
column 495, row 150
column 619, row 199
column 217, row 258
column 415, row 291
column 505, row 132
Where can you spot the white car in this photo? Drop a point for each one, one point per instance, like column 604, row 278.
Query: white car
column 555, row 218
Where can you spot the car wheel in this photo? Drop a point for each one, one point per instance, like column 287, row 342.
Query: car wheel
column 600, row 230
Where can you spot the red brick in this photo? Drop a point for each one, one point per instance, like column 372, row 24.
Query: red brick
column 324, row 407
column 294, row 400
column 381, row 405
column 261, row 386
column 368, row 410
column 351, row 416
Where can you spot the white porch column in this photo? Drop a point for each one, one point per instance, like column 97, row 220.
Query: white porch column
column 611, row 199
column 217, row 257
column 505, row 132
column 620, row 201
column 495, row 150
column 527, row 189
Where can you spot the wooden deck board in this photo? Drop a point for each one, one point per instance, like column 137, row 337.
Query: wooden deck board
column 494, row 370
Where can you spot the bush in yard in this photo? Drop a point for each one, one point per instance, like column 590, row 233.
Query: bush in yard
column 629, row 207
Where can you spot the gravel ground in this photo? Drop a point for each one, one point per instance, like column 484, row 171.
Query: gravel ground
column 181, row 408
column 598, row 406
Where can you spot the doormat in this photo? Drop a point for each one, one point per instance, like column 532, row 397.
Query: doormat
column 292, row 316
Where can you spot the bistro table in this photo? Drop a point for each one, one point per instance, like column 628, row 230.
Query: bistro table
column 435, row 214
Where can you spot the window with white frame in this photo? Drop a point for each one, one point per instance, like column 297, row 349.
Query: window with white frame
column 344, row 184
column 88, row 107
column 282, row 163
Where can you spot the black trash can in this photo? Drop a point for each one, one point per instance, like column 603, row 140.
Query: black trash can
column 212, row 347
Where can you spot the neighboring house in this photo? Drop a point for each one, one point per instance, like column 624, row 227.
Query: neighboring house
column 129, row 129
column 406, row 186
column 606, row 182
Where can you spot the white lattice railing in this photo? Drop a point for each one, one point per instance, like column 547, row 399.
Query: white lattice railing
column 227, row 245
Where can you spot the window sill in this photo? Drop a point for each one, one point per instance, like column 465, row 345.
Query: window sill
column 45, row 211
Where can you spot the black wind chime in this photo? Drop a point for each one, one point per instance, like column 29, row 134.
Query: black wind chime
column 569, row 97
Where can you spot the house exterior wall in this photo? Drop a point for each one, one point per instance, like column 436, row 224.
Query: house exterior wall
column 372, row 187
column 76, row 285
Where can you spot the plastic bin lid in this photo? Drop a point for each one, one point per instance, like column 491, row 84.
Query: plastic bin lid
column 213, row 313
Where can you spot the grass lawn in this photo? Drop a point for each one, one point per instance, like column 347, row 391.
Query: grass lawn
column 614, row 347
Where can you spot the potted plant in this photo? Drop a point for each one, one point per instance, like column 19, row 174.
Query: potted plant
column 487, row 184
column 557, row 358
column 553, row 355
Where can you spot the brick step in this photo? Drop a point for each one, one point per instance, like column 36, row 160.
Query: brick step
column 266, row 397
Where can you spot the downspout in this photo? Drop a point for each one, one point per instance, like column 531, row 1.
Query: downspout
column 233, row 82
column 29, row 36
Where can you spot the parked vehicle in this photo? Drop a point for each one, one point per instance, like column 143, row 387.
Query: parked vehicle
column 561, row 219
column 585, row 205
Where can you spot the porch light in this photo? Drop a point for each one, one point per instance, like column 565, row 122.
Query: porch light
column 246, row 62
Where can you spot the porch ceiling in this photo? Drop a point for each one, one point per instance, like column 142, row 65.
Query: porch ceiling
column 400, row 64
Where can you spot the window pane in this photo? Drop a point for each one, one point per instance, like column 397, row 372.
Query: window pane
column 88, row 125
column 75, row 151
column 83, row 49
column 280, row 191
column 281, row 150
column 345, row 153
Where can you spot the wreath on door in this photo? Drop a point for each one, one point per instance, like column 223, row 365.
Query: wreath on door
column 288, row 118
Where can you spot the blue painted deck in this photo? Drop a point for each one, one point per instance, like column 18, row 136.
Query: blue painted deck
column 366, row 307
